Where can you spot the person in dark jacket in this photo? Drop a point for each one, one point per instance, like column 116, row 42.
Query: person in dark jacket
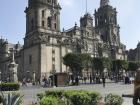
column 103, row 80
column 136, row 97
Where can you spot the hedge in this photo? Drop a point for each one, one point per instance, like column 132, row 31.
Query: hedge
column 49, row 101
column 9, row 86
column 72, row 97
column 112, row 99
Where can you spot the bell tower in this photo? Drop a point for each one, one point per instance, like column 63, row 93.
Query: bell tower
column 106, row 23
column 42, row 15
column 86, row 24
column 40, row 42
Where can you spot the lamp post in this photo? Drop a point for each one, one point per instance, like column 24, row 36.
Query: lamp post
column 33, row 77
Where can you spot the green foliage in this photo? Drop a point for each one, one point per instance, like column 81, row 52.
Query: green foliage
column 112, row 99
column 95, row 98
column 49, row 101
column 101, row 63
column 57, row 93
column 74, row 97
column 119, row 65
column 83, row 97
column 40, row 95
column 124, row 64
column 9, row 86
column 86, row 60
column 133, row 66
column 74, row 62
column 107, row 63
column 78, row 97
column 11, row 99
column 98, row 64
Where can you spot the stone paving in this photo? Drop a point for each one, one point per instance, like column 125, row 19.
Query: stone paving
column 116, row 88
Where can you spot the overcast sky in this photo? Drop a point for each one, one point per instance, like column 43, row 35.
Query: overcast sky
column 12, row 18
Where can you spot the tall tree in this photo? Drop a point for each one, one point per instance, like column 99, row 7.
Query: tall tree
column 107, row 63
column 101, row 63
column 86, row 60
column 133, row 66
column 120, row 65
column 74, row 62
column 98, row 65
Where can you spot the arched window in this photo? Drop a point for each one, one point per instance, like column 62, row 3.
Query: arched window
column 43, row 23
column 49, row 22
column 55, row 25
column 55, row 16
column 43, row 13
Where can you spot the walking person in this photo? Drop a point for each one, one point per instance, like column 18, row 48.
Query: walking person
column 90, row 78
column 77, row 81
column 103, row 81
column 136, row 97
column 85, row 79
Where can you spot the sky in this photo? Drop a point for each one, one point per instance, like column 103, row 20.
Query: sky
column 12, row 18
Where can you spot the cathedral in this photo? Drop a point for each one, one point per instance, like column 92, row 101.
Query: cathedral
column 45, row 45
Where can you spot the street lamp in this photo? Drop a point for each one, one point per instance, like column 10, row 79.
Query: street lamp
column 33, row 77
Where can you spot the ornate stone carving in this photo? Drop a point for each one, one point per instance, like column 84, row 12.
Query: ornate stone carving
column 59, row 40
column 44, row 38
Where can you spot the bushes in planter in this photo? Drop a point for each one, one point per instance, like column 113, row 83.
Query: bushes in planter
column 112, row 99
column 83, row 97
column 9, row 86
column 56, row 93
column 73, row 97
column 49, row 101
column 78, row 97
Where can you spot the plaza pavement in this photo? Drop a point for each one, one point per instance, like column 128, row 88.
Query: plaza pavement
column 116, row 88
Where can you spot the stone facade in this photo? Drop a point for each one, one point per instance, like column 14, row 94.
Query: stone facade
column 45, row 45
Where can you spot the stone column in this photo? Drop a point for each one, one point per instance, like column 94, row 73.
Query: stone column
column 13, row 70
column 34, row 81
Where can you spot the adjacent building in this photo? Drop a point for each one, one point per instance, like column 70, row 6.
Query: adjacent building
column 134, row 54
